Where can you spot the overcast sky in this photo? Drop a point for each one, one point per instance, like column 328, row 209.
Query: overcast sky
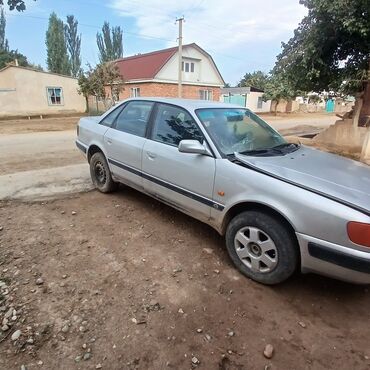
column 241, row 35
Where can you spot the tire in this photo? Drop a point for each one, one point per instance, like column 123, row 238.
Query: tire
column 100, row 174
column 261, row 247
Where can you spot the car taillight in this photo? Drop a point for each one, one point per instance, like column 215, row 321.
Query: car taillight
column 359, row 233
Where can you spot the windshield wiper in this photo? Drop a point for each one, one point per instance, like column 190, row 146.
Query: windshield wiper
column 286, row 145
column 275, row 150
column 261, row 152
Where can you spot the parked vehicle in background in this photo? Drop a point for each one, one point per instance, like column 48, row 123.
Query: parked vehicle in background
column 281, row 206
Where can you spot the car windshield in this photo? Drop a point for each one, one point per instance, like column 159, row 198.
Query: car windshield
column 240, row 130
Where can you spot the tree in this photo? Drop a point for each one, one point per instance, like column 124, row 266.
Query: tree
column 257, row 79
column 113, row 80
column 330, row 50
column 278, row 88
column 4, row 45
column 96, row 81
column 57, row 56
column 110, row 43
column 9, row 56
column 15, row 4
column 73, row 40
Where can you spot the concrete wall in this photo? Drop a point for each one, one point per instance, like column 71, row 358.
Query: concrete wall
column 204, row 72
column 24, row 92
column 285, row 106
column 252, row 102
column 344, row 134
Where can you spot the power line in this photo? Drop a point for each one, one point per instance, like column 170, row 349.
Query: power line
column 96, row 27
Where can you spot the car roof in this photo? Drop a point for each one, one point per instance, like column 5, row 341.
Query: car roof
column 189, row 104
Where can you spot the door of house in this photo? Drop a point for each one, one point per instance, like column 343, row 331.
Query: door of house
column 330, row 104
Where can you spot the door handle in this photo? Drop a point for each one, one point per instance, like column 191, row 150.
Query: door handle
column 151, row 155
column 109, row 141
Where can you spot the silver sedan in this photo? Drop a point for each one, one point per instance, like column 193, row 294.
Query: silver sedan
column 281, row 206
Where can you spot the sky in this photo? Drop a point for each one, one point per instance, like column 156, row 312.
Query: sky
column 241, row 35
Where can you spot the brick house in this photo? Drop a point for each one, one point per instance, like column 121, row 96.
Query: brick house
column 156, row 74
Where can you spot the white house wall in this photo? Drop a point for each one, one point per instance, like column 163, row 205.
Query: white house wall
column 252, row 103
column 24, row 92
column 204, row 73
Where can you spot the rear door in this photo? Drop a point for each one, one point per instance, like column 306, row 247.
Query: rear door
column 124, row 141
column 181, row 179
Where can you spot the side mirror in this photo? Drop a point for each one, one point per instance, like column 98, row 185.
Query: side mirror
column 193, row 146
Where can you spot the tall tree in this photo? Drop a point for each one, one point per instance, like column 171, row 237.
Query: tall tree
column 256, row 79
column 73, row 40
column 330, row 50
column 110, row 43
column 57, row 56
column 3, row 41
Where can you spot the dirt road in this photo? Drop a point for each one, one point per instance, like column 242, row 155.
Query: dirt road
column 123, row 282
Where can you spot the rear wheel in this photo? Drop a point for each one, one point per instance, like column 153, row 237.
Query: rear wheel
column 261, row 247
column 100, row 174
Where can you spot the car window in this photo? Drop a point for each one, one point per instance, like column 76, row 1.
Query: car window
column 173, row 124
column 109, row 119
column 134, row 118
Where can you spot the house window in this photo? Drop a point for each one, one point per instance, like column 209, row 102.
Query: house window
column 55, row 95
column 135, row 92
column 188, row 67
column 205, row 94
column 259, row 102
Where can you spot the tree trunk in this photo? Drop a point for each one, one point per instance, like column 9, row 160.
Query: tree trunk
column 276, row 107
column 364, row 118
column 87, row 104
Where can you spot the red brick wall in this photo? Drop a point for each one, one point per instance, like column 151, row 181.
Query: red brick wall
column 168, row 90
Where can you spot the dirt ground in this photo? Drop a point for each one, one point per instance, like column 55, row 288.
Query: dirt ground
column 123, row 282
column 18, row 126
column 129, row 283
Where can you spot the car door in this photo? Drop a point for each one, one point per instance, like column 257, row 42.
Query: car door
column 182, row 179
column 124, row 142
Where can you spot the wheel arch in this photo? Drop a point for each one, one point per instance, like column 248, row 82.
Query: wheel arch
column 255, row 206
column 92, row 150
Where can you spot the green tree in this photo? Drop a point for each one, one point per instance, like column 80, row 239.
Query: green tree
column 330, row 50
column 113, row 80
column 9, row 56
column 257, row 79
column 277, row 88
column 57, row 56
column 109, row 43
column 4, row 45
column 73, row 40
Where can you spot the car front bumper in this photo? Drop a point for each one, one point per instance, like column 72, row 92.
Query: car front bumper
column 334, row 260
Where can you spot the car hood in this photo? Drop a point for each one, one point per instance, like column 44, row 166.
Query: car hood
column 337, row 177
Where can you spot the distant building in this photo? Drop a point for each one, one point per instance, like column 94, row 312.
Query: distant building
column 25, row 92
column 156, row 74
column 248, row 97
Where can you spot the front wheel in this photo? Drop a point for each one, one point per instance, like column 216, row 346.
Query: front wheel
column 100, row 174
column 261, row 247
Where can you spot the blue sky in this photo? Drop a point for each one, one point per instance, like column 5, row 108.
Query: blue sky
column 241, row 35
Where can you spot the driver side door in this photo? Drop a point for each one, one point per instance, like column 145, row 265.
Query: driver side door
column 183, row 180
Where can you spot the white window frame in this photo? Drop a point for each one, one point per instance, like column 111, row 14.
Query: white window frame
column 188, row 67
column 206, row 94
column 48, row 88
column 259, row 102
column 135, row 92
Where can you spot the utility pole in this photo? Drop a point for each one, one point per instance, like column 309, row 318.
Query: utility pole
column 180, row 20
